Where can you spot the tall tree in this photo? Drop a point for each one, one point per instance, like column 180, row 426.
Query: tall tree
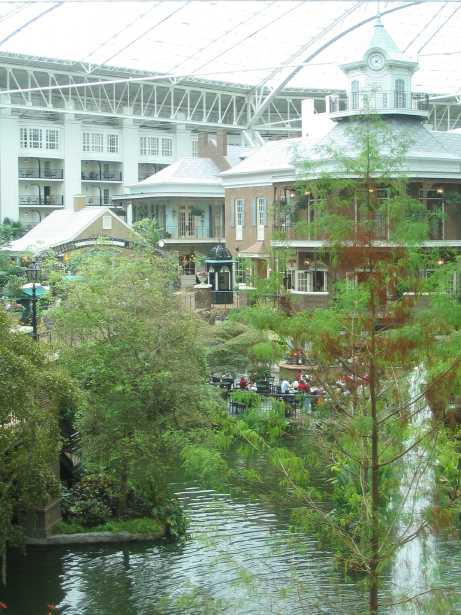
column 31, row 393
column 392, row 312
column 124, row 336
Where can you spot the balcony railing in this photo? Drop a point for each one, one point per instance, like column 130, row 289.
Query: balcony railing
column 111, row 176
column 193, row 232
column 98, row 201
column 41, row 173
column 42, row 201
column 393, row 101
column 292, row 226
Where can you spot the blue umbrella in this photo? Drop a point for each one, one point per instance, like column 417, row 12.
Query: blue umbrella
column 40, row 290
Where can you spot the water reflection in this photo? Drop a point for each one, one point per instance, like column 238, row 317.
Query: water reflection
column 241, row 559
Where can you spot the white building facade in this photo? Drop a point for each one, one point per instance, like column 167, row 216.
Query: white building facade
column 44, row 164
column 70, row 128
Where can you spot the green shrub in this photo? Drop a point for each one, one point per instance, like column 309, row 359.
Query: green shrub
column 94, row 500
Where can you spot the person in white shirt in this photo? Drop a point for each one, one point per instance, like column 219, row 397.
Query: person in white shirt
column 285, row 386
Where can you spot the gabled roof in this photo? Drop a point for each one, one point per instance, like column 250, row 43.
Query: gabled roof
column 59, row 227
column 184, row 171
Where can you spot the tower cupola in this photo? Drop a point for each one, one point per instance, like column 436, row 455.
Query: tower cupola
column 380, row 81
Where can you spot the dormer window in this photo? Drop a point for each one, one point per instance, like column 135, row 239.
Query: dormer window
column 399, row 94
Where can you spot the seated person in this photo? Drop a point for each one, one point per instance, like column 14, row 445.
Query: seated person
column 303, row 386
column 243, row 383
column 284, row 387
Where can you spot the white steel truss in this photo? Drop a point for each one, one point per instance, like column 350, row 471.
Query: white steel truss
column 34, row 85
column 160, row 100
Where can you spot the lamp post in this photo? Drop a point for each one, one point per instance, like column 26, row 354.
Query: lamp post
column 33, row 274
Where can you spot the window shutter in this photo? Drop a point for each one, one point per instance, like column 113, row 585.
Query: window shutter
column 265, row 213
column 233, row 213
column 253, row 212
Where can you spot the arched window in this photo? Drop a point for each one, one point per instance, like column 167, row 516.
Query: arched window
column 355, row 94
column 399, row 94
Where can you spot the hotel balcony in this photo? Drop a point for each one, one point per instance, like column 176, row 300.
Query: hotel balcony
column 293, row 227
column 46, row 173
column 54, row 200
column 388, row 103
column 194, row 234
column 97, row 171
column 99, row 176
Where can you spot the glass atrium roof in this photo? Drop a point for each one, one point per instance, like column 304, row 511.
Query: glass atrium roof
column 235, row 41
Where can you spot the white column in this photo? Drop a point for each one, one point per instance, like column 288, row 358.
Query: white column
column 130, row 150
column 72, row 159
column 9, row 150
column 183, row 139
column 129, row 213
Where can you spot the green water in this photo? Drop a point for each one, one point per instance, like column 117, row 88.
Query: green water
column 240, row 559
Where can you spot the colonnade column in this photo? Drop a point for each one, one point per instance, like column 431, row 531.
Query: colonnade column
column 72, row 159
column 130, row 155
column 9, row 151
column 183, row 139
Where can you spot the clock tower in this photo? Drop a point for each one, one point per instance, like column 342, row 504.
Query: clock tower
column 380, row 81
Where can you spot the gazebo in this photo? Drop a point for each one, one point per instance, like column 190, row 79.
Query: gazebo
column 219, row 266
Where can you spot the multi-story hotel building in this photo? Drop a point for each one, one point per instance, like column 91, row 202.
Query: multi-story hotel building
column 69, row 128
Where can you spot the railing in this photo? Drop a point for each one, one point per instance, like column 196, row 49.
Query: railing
column 290, row 225
column 97, row 201
column 222, row 297
column 41, row 201
column 41, row 174
column 111, row 176
column 379, row 102
column 193, row 232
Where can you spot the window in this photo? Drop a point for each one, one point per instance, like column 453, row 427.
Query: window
column 167, row 146
column 112, row 144
column 319, row 281
column 309, row 280
column 107, row 222
column 93, row 142
column 399, row 94
column 106, row 196
column 97, row 142
column 355, row 94
column 86, row 142
column 239, row 212
column 52, row 138
column 23, row 141
column 148, row 146
column 241, row 271
column 35, row 138
column 195, row 148
column 261, row 207
column 303, row 279
column 289, row 279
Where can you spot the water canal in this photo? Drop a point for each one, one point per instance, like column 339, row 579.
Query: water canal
column 241, row 559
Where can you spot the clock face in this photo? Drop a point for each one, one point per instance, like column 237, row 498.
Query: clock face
column 376, row 61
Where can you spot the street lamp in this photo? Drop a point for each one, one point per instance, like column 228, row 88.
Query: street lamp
column 33, row 274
